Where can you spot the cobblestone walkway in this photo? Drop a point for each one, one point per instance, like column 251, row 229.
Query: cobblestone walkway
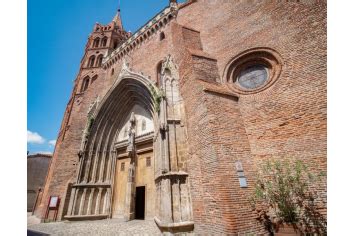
column 98, row 227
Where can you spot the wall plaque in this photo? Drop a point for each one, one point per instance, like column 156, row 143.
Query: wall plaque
column 53, row 202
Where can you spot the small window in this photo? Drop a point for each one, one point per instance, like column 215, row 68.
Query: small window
column 85, row 84
column 99, row 61
column 122, row 168
column 93, row 79
column 112, row 71
column 162, row 36
column 91, row 61
column 159, row 68
column 253, row 77
column 143, row 127
column 125, row 132
column 116, row 43
column 104, row 41
column 148, row 161
column 96, row 42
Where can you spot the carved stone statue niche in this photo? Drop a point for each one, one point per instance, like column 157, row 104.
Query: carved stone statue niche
column 130, row 192
column 131, row 131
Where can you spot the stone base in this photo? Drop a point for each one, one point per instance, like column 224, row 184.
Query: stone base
column 87, row 217
column 173, row 228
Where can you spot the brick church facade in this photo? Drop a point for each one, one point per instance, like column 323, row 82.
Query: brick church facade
column 171, row 122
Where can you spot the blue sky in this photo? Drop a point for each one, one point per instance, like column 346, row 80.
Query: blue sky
column 57, row 34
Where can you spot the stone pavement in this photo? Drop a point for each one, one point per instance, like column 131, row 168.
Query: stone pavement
column 98, row 227
column 32, row 220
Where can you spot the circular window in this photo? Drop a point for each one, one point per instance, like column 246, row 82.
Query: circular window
column 253, row 77
column 253, row 70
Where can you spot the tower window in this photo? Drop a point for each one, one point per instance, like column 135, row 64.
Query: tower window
column 162, row 36
column 96, row 42
column 99, row 61
column 93, row 79
column 122, row 168
column 116, row 43
column 104, row 41
column 148, row 161
column 91, row 61
column 85, row 84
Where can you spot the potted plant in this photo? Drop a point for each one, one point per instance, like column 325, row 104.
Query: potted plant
column 285, row 200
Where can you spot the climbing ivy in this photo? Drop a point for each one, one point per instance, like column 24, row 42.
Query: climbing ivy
column 90, row 124
column 157, row 97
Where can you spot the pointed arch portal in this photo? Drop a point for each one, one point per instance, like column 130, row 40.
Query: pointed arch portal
column 130, row 163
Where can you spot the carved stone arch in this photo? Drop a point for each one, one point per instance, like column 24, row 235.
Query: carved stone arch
column 99, row 154
column 169, row 64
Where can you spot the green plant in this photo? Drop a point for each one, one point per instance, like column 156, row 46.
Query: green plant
column 284, row 194
column 157, row 95
column 89, row 126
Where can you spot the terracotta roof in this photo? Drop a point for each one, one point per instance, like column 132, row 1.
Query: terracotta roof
column 40, row 155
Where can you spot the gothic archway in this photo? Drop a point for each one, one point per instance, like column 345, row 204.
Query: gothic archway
column 133, row 147
column 92, row 194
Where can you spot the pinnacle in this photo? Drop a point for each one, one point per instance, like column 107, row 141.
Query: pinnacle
column 117, row 19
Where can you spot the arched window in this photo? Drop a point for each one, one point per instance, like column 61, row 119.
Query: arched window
column 143, row 125
column 85, row 83
column 104, row 41
column 99, row 60
column 91, row 61
column 116, row 44
column 159, row 68
column 96, row 42
column 162, row 36
column 93, row 79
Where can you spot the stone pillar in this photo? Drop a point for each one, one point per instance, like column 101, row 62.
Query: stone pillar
column 130, row 193
column 81, row 206
column 71, row 201
column 97, row 204
column 90, row 202
column 166, row 201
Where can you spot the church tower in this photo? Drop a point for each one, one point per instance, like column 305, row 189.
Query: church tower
column 102, row 40
column 89, row 81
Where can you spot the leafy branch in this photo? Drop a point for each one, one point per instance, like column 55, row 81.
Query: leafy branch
column 157, row 96
column 284, row 194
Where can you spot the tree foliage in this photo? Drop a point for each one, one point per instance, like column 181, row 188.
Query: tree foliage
column 285, row 194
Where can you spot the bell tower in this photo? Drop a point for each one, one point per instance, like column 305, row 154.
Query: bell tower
column 102, row 40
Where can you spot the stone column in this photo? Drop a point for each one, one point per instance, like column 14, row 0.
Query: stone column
column 97, row 204
column 81, row 206
column 73, row 198
column 130, row 193
column 90, row 201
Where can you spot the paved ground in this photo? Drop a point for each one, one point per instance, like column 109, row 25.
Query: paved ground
column 32, row 220
column 98, row 227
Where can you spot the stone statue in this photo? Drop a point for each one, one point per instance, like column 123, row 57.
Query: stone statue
column 131, row 140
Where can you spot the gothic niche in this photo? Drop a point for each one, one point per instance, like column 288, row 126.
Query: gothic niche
column 132, row 157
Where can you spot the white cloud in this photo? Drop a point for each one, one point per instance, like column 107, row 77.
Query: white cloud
column 52, row 142
column 33, row 137
column 44, row 152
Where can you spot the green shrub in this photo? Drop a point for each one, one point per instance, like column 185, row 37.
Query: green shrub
column 284, row 194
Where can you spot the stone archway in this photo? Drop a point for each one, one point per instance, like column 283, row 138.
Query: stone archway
column 92, row 194
column 117, row 157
